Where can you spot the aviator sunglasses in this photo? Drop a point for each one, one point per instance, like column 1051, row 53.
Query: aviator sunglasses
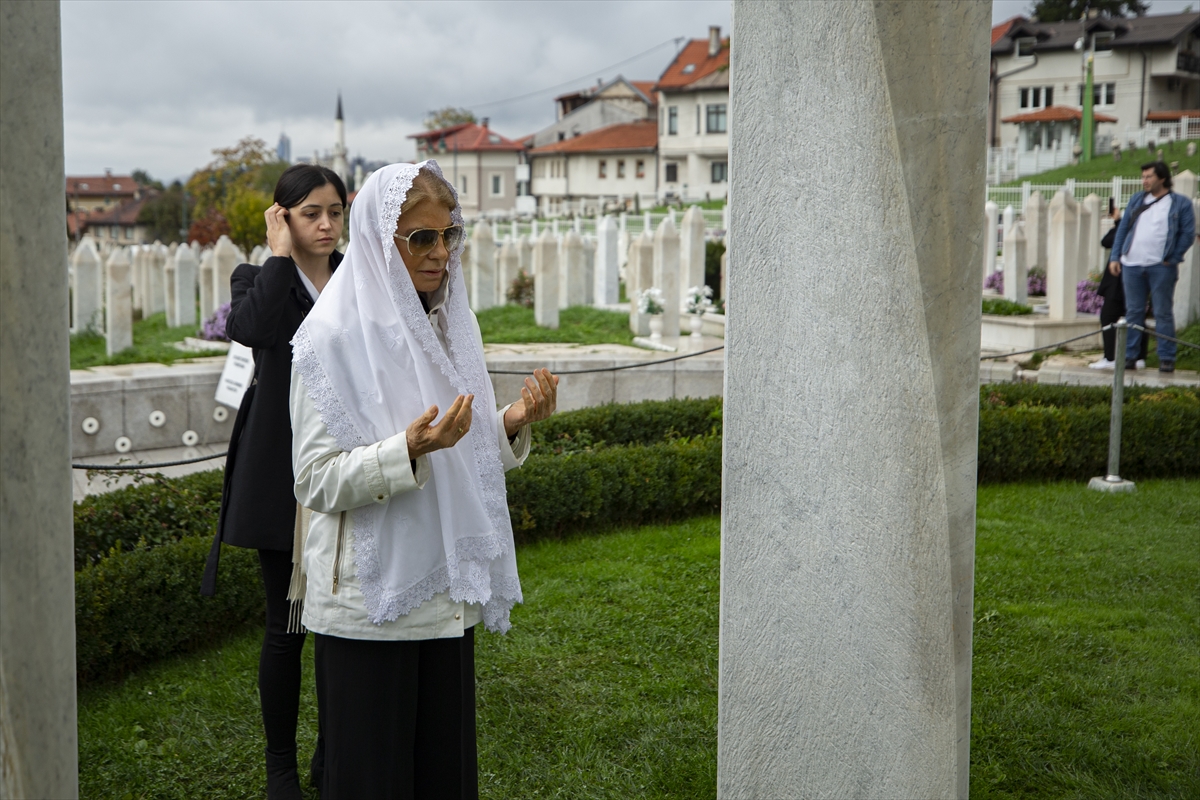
column 421, row 242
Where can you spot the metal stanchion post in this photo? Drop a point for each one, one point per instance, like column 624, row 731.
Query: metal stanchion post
column 1112, row 482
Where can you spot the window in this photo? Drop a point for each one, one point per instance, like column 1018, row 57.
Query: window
column 720, row 171
column 463, row 181
column 562, row 135
column 697, row 119
column 1037, row 96
column 1102, row 41
column 497, row 185
column 603, row 168
column 621, row 168
column 641, row 168
column 672, row 173
column 1025, row 46
column 672, row 120
column 716, row 118
column 1103, row 94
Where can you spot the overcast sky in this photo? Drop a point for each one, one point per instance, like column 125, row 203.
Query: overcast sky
column 158, row 85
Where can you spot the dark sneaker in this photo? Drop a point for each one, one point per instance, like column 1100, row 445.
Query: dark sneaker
column 1130, row 364
column 1166, row 366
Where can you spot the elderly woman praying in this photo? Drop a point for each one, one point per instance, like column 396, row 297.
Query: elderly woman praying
column 399, row 453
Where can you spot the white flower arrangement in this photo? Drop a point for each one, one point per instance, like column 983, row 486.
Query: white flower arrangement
column 650, row 301
column 699, row 299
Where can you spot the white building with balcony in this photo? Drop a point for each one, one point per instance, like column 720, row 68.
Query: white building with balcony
column 693, row 122
column 603, row 168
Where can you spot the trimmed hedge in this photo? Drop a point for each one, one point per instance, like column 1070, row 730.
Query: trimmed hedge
column 621, row 424
column 140, row 605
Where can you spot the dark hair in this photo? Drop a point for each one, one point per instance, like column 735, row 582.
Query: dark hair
column 1161, row 170
column 298, row 181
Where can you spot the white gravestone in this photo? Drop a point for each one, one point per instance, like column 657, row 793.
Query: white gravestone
column 1089, row 234
column 571, row 289
column 508, row 264
column 87, row 311
column 184, row 293
column 225, row 261
column 991, row 213
column 589, row 269
column 1016, row 275
column 1037, row 221
column 119, row 303
column 1187, row 288
column 640, row 277
column 169, row 293
column 545, row 281
column 483, row 272
column 666, row 273
column 525, row 254
column 848, row 515
column 155, row 293
column 691, row 247
column 1062, row 254
column 606, row 289
column 206, row 285
column 1007, row 218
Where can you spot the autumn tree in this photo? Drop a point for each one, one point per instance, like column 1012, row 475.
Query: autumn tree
column 1066, row 10
column 163, row 213
column 249, row 164
column 208, row 227
column 245, row 211
column 446, row 117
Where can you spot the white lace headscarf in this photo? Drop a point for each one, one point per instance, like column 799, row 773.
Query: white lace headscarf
column 372, row 364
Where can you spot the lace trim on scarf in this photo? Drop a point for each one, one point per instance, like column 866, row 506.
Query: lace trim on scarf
column 321, row 392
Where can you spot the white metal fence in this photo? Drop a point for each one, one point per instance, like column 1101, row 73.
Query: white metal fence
column 1017, row 196
column 714, row 223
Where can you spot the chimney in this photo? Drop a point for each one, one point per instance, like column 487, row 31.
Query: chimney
column 714, row 40
column 484, row 122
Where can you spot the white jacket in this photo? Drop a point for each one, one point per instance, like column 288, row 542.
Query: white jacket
column 331, row 481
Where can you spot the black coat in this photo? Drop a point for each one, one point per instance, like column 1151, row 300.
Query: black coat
column 258, row 503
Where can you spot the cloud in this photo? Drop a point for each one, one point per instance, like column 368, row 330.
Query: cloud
column 159, row 85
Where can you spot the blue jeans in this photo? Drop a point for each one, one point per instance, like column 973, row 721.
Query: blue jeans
column 1156, row 281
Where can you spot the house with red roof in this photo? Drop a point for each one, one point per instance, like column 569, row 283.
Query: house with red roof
column 693, row 121
column 1143, row 67
column 611, row 165
column 602, row 105
column 489, row 170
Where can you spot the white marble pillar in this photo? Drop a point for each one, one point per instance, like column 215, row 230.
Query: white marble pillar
column 991, row 214
column 691, row 248
column 1008, row 218
column 155, row 279
column 87, row 312
column 1187, row 289
column 848, row 515
column 207, row 306
column 118, row 302
column 545, row 281
column 605, row 286
column 169, row 293
column 1062, row 255
column 724, row 274
column 571, row 290
column 588, row 279
column 38, row 737
column 1016, row 274
column 507, row 267
column 666, row 273
column 525, row 254
column 224, row 262
column 184, row 293
column 1037, row 221
column 1089, row 234
column 483, row 272
column 639, row 276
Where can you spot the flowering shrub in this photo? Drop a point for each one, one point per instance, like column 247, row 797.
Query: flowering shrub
column 521, row 291
column 1087, row 301
column 1037, row 282
column 213, row 328
column 995, row 282
column 699, row 299
column 650, row 301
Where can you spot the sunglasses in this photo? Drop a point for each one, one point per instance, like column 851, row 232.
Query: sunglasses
column 421, row 242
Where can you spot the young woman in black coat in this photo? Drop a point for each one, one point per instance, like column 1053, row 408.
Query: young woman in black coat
column 258, row 505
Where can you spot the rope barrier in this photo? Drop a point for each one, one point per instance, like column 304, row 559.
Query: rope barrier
column 1164, row 336
column 119, row 467
column 1049, row 346
column 611, row 369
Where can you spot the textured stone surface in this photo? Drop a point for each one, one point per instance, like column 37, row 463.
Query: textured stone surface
column 224, row 262
column 666, row 272
column 87, row 310
column 639, row 276
column 691, row 248
column 38, row 740
column 118, row 301
column 483, row 273
column 1036, row 221
column 184, row 292
column 606, row 290
column 991, row 221
column 1062, row 255
column 1016, row 271
column 571, row 278
column 206, row 285
column 849, row 483
column 545, row 281
column 1187, row 290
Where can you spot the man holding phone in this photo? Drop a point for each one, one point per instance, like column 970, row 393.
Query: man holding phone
column 1156, row 231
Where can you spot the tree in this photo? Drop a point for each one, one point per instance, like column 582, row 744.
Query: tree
column 206, row 229
column 163, row 213
column 249, row 164
column 445, row 117
column 145, row 181
column 245, row 213
column 1066, row 10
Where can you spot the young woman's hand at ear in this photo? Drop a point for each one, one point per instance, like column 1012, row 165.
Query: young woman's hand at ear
column 279, row 235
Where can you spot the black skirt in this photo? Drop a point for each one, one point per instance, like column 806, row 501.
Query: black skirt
column 399, row 718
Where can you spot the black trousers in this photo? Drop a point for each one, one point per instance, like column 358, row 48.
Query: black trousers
column 1112, row 310
column 399, row 718
column 279, row 661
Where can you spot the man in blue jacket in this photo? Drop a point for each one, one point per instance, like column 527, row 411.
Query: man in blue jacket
column 1157, row 229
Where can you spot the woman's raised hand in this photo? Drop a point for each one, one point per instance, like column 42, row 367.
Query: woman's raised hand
column 425, row 437
column 539, row 399
column 279, row 235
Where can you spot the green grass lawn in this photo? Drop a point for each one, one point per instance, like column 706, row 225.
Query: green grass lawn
column 1103, row 168
column 153, row 341
column 512, row 324
column 1086, row 681
column 1185, row 357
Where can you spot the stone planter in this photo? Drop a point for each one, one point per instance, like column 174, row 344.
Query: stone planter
column 656, row 327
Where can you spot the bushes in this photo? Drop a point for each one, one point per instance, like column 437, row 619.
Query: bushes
column 137, row 606
column 635, row 423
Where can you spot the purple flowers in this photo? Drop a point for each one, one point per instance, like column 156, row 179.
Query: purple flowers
column 1035, row 285
column 995, row 282
column 213, row 328
column 1087, row 301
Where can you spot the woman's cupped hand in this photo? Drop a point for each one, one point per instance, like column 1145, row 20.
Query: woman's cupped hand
column 539, row 399
column 424, row 437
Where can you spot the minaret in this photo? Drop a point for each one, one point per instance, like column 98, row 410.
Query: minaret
column 339, row 144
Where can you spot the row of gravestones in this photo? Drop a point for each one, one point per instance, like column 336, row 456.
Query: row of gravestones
column 108, row 284
column 572, row 268
column 1063, row 237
